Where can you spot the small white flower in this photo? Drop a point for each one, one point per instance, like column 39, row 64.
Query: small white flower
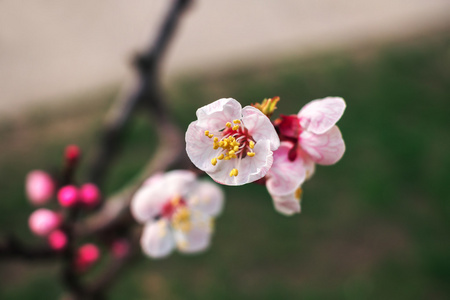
column 177, row 211
column 232, row 144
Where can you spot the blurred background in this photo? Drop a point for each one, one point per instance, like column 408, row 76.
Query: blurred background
column 375, row 225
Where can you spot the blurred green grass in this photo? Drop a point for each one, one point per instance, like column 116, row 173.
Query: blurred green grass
column 374, row 226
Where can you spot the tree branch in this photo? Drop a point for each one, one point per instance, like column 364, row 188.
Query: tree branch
column 145, row 92
column 11, row 247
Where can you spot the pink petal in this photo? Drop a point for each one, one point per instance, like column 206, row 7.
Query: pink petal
column 319, row 116
column 214, row 116
column 206, row 197
column 287, row 205
column 324, row 149
column 260, row 127
column 157, row 240
column 310, row 168
column 285, row 176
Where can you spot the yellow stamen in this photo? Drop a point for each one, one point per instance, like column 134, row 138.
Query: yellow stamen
column 230, row 153
column 216, row 139
column 210, row 135
column 182, row 245
column 228, row 124
column 251, row 154
column 234, row 172
column 298, row 193
column 236, row 127
column 214, row 161
column 227, row 158
column 220, row 157
column 181, row 219
column 207, row 132
column 236, row 148
column 237, row 121
column 251, row 144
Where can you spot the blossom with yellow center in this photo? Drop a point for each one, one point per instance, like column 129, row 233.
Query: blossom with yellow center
column 178, row 212
column 234, row 145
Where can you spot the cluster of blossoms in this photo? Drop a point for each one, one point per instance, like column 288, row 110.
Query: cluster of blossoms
column 44, row 189
column 236, row 145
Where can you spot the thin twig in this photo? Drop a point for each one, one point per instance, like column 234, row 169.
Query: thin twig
column 145, row 92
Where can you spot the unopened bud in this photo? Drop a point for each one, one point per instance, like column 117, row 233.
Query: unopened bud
column 87, row 255
column 90, row 195
column 268, row 106
column 68, row 196
column 39, row 187
column 57, row 240
column 72, row 154
column 43, row 221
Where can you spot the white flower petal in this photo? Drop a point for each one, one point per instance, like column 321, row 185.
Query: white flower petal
column 320, row 115
column 287, row 204
column 197, row 239
column 285, row 176
column 260, row 127
column 147, row 202
column 250, row 168
column 157, row 240
column 199, row 147
column 214, row 116
column 206, row 197
column 179, row 182
column 324, row 149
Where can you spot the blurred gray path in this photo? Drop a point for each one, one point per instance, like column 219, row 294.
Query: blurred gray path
column 50, row 49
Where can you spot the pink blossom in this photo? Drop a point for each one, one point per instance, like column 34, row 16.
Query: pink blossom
column 232, row 144
column 57, row 240
column 89, row 195
column 39, row 187
column 68, row 196
column 315, row 132
column 177, row 211
column 43, row 221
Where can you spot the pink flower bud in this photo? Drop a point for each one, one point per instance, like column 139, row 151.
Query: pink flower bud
column 57, row 240
column 68, row 196
column 87, row 255
column 72, row 154
column 120, row 248
column 39, row 187
column 90, row 195
column 43, row 221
